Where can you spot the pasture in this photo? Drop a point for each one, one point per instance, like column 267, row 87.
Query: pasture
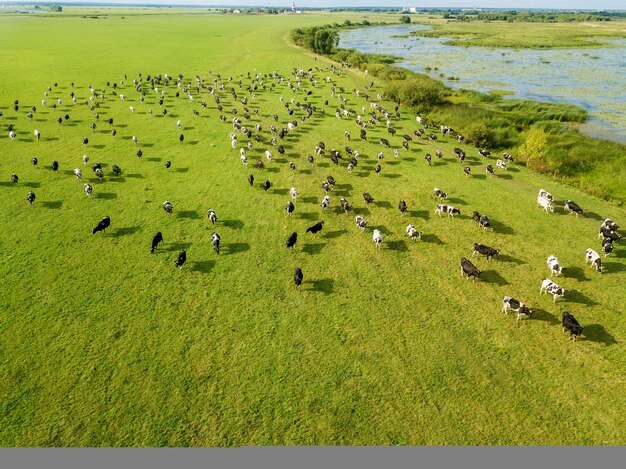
column 105, row 344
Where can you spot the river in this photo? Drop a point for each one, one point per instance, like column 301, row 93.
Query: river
column 594, row 79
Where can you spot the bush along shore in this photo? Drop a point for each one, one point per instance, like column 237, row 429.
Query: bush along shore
column 542, row 136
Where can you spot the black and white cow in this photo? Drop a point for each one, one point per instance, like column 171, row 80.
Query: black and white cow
column 182, row 258
column 554, row 266
column 368, row 198
column 413, row 233
column 449, row 209
column 211, row 215
column 168, row 207
column 30, row 197
column 293, row 193
column 88, row 189
column 572, row 207
column 297, row 277
column 501, row 164
column 102, row 225
column 469, row 269
column 361, row 222
column 593, row 257
column 545, row 195
column 325, row 202
column 291, row 241
column 215, row 239
column 345, row 205
column 439, row 193
column 606, row 233
column 315, row 228
column 552, row 288
column 520, row 308
column 402, row 207
column 289, row 208
column 570, row 324
column 607, row 246
column 545, row 203
column 485, row 251
column 377, row 238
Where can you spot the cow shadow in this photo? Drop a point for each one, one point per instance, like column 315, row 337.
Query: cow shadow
column 147, row 145
column 457, row 201
column 507, row 258
column 479, row 176
column 309, row 200
column 504, row 176
column 235, row 248
column 281, row 191
column 98, row 146
column 382, row 203
column 234, row 224
column 32, row 185
column 361, row 211
column 347, row 187
column 188, row 214
column 390, row 176
column 597, row 333
column 501, row 228
column 432, row 238
column 425, row 214
column 154, row 158
column 542, row 315
column 399, row 245
column 203, row 266
column 181, row 170
column 106, row 195
column 593, row 216
column 53, row 204
column 620, row 253
column 313, row 249
column 135, row 176
column 307, row 216
column 193, row 142
column 325, row 285
column 272, row 170
column 575, row 272
column 614, row 267
column 334, row 234
column 128, row 230
column 575, row 296
column 492, row 276
column 7, row 184
column 179, row 246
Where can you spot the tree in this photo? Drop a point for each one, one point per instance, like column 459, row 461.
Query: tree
column 405, row 19
column 56, row 8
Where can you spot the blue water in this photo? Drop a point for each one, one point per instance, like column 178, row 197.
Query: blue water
column 594, row 79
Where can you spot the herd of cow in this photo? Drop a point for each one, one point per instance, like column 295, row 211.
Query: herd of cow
column 378, row 117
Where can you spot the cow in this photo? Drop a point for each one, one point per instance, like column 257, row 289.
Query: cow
column 593, row 257
column 266, row 185
column 570, row 324
column 500, row 164
column 439, row 193
column 449, row 209
column 155, row 241
column 413, row 233
column 554, row 266
column 211, row 216
column 297, row 277
column 14, row 178
column 102, row 225
column 520, row 308
column 467, row 170
column 88, row 189
column 377, row 238
column 291, row 241
column 368, row 198
column 610, row 224
column 168, row 207
column 572, row 207
column 546, row 195
column 489, row 169
column 78, row 173
column 116, row 170
column 315, row 228
column 30, row 197
column 215, row 239
column 345, row 205
column 428, row 158
column 552, row 288
column 402, row 207
column 293, row 193
column 289, row 208
column 607, row 246
column 485, row 251
column 325, row 202
column 546, row 204
column 361, row 222
column 469, row 269
column 182, row 258
column 606, row 233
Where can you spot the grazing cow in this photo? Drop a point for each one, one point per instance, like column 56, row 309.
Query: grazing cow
column 266, row 185
column 545, row 195
column 297, row 277
column 85, row 159
column 102, row 225
column 215, row 239
column 402, row 207
column 292, row 166
column 179, row 124
column 428, row 158
column 55, row 166
column 508, row 157
column 12, row 135
column 182, row 258
column 439, row 193
column 78, row 173
column 181, row 138
column 14, row 178
column 34, row 161
column 331, row 181
column 88, row 189
column 552, row 288
column 483, row 153
column 469, row 269
column 489, row 169
column 259, row 164
column 572, row 207
column 546, row 204
column 211, row 216
column 520, row 308
column 244, row 160
column 501, row 164
column 377, row 238
column 413, row 233
column 293, row 193
column 485, row 251
column 155, row 241
column 384, row 142
column 593, row 257
column 251, row 179
column 345, row 205
column 377, row 169
column 361, row 222
column 554, row 266
column 570, row 324
column 116, row 170
column 607, row 233
column 368, row 198
column 467, row 170
column 610, row 224
column 315, row 228
column 268, row 155
column 449, row 209
column 482, row 220
column 311, row 160
column 607, row 246
column 168, row 207
column 325, row 202
column 31, row 198
column 291, row 241
column 37, row 134
column 99, row 173
column 289, row 208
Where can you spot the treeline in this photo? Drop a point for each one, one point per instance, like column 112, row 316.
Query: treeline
column 514, row 16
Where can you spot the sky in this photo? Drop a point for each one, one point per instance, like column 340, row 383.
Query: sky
column 561, row 4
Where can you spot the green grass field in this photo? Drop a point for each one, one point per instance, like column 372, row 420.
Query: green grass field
column 104, row 344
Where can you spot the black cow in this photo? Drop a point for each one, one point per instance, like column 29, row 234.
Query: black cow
column 266, row 185
column 155, row 241
column 368, row 198
column 116, row 170
column 55, row 166
column 469, row 269
column 485, row 251
column 297, row 277
column 315, row 228
column 103, row 225
column 569, row 323
column 289, row 208
column 182, row 258
column 402, row 207
column 291, row 241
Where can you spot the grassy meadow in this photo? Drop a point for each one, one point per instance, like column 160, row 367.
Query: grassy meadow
column 104, row 344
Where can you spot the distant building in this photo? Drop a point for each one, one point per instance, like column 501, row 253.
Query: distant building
column 293, row 7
